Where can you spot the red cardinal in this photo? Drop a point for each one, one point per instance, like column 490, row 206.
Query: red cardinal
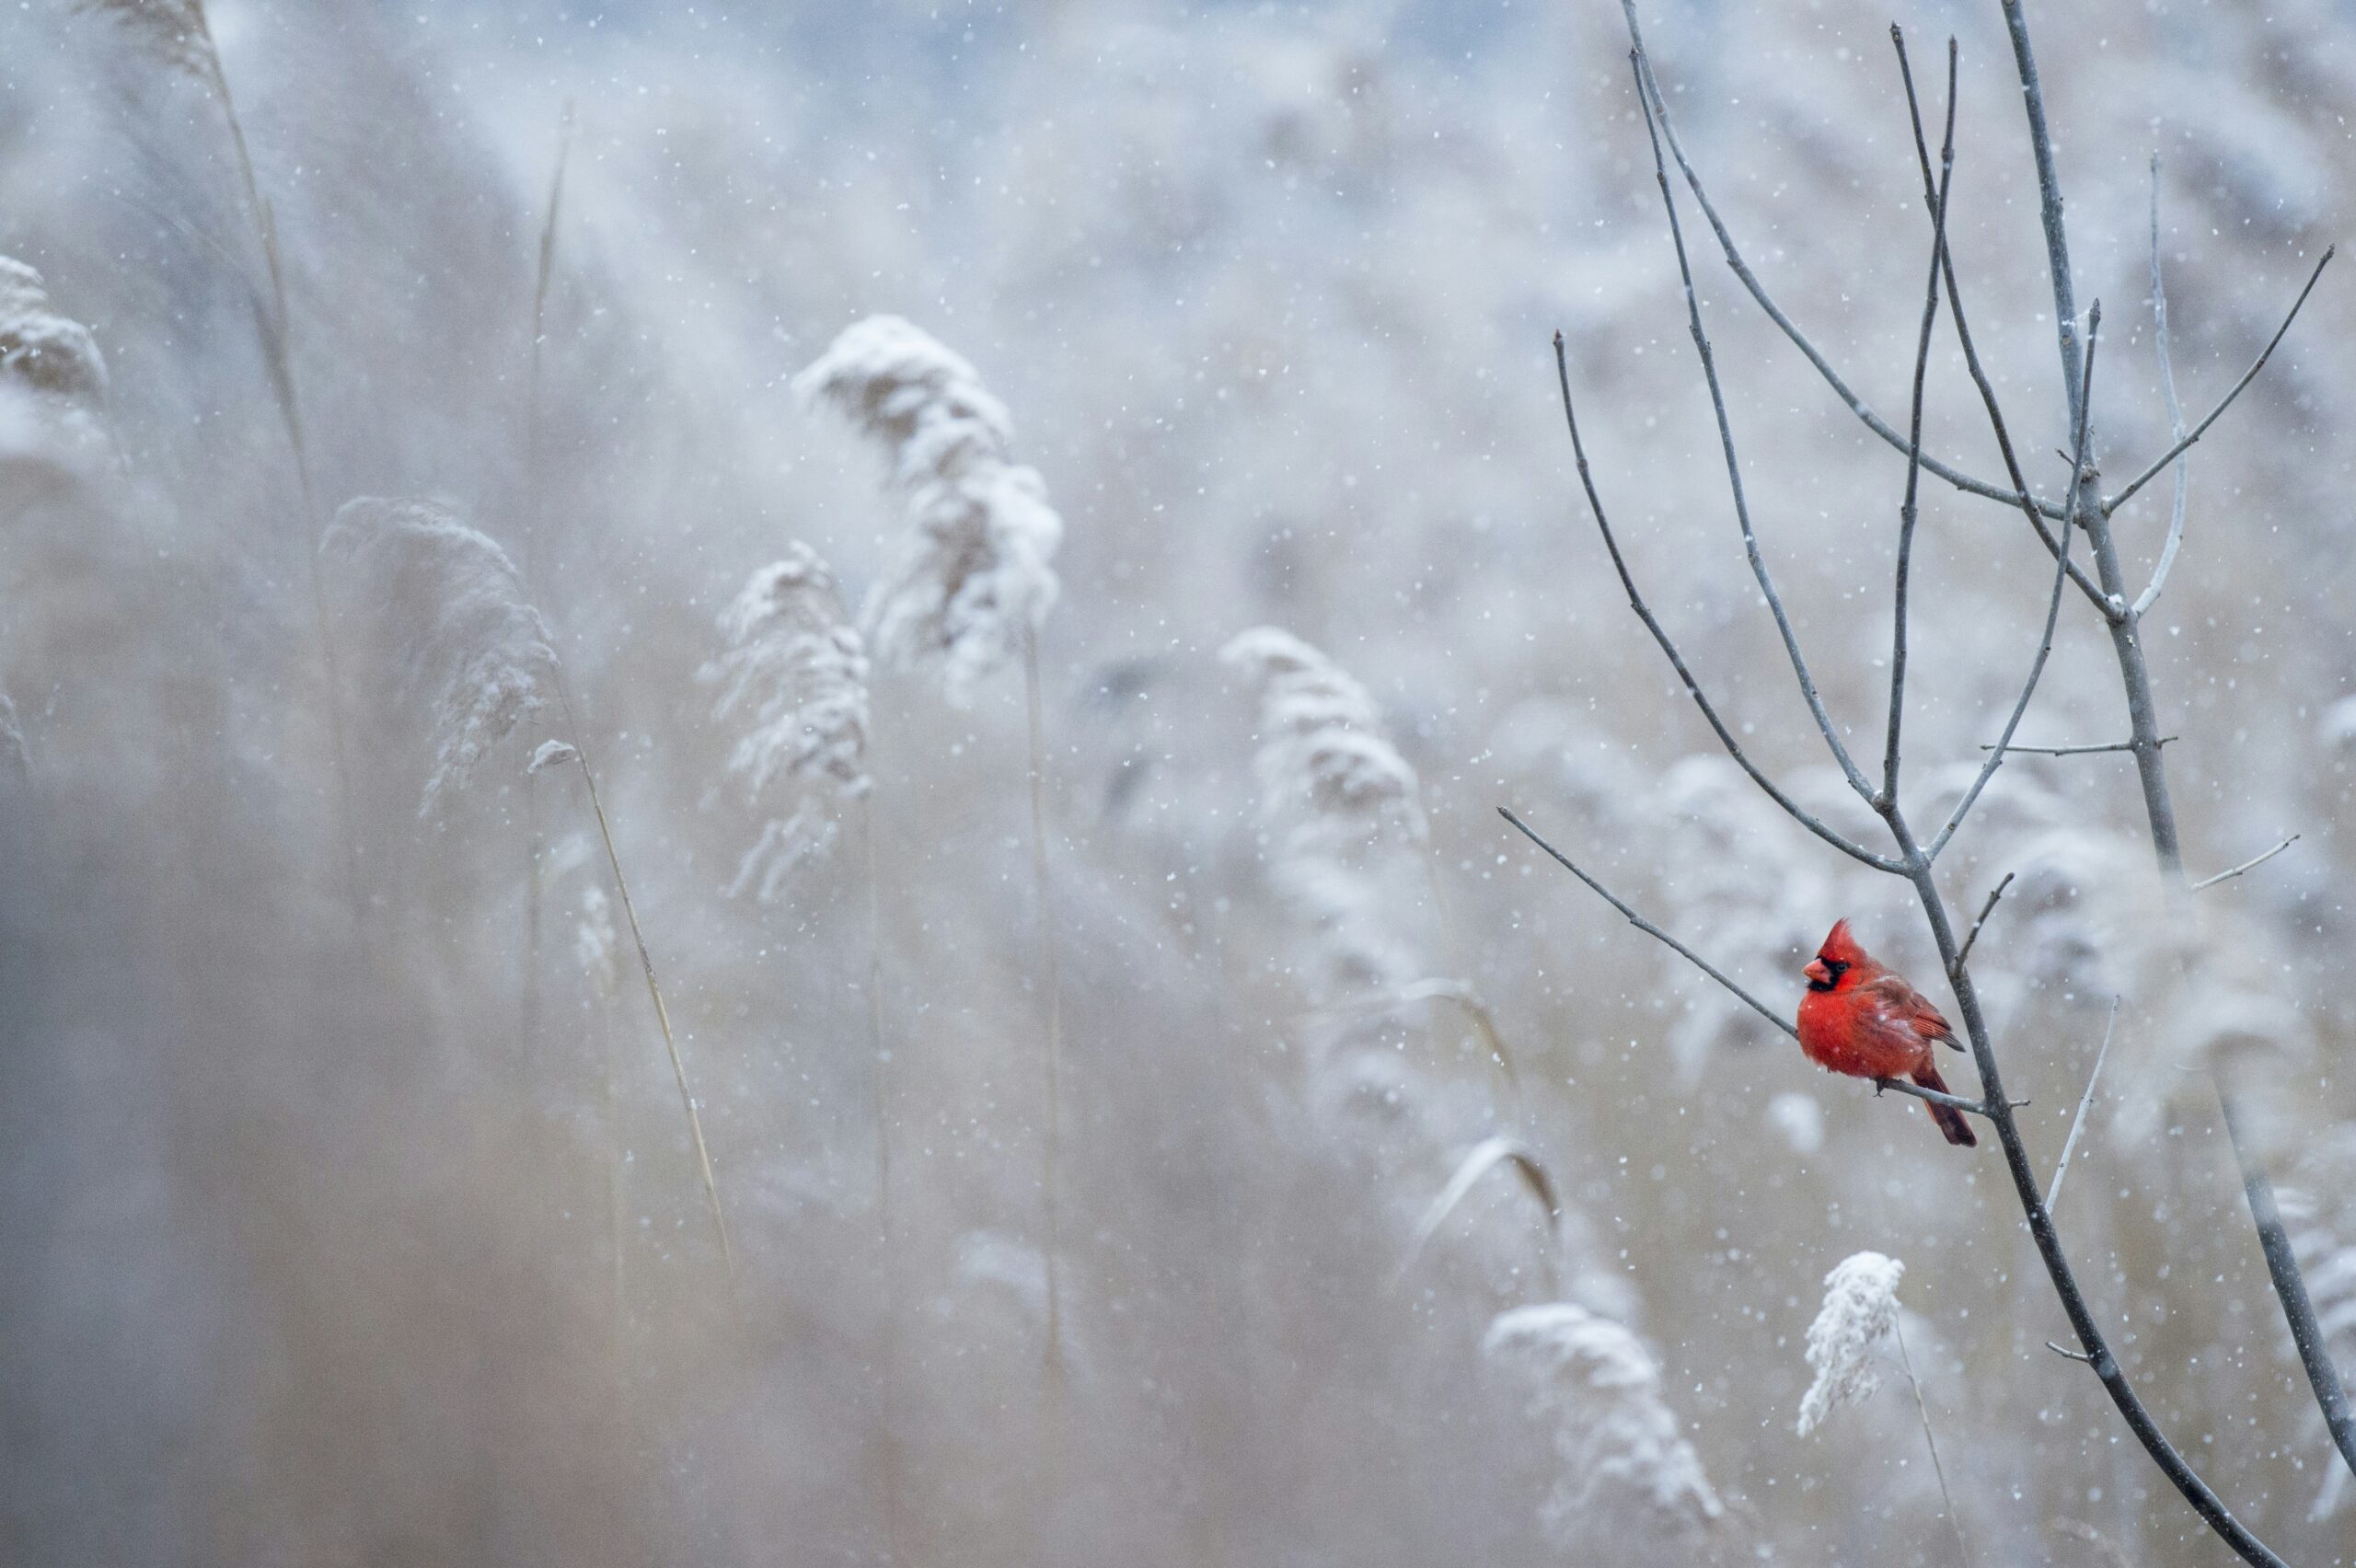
column 1861, row 1019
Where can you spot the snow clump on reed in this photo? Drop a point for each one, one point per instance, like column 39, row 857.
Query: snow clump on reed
column 1340, row 807
column 1624, row 1467
column 451, row 622
column 976, row 576
column 1860, row 1307
column 795, row 673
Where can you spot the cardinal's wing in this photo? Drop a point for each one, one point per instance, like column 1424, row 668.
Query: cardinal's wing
column 1904, row 1005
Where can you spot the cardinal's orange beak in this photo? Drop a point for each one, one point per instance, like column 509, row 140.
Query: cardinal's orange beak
column 1817, row 971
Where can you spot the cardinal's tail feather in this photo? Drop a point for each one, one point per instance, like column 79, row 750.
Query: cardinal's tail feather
column 1951, row 1120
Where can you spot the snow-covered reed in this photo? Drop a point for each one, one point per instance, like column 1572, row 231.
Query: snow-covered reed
column 1625, row 1470
column 450, row 616
column 976, row 575
column 53, row 378
column 795, row 675
column 41, row 349
column 1340, row 811
column 1860, row 1307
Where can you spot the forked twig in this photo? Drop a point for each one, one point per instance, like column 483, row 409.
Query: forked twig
column 1766, row 303
column 1668, row 645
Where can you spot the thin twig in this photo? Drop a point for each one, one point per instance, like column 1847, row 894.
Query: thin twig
column 2077, row 751
column 1774, row 313
column 2078, row 1125
column 1669, row 646
column 2252, row 862
column 1898, row 1330
column 2170, row 456
column 1733, row 468
column 2077, row 1355
column 1907, row 509
column 2151, row 593
column 1964, row 956
column 653, row 990
column 1936, row 1096
column 1687, row 953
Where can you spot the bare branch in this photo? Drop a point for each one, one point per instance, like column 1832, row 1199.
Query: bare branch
column 1734, row 466
column 2187, row 1481
column 2170, row 456
column 1687, row 953
column 2253, row 861
column 1936, row 1097
column 1907, row 509
column 2036, row 512
column 2151, row 593
column 1669, row 646
column 2080, row 751
column 2077, row 1355
column 1964, row 955
column 1758, row 291
column 2053, row 609
column 2078, row 1125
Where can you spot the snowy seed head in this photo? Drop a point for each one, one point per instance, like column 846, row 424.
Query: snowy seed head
column 450, row 623
column 1860, row 1307
column 1624, row 1465
column 552, row 753
column 1339, row 805
column 976, row 576
column 795, row 677
column 41, row 350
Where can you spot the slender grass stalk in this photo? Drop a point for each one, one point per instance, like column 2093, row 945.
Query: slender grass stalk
column 535, row 837
column 653, row 988
column 887, row 1371
column 1962, row 1553
column 1050, row 980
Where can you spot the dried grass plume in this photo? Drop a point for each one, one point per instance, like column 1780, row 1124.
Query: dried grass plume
column 795, row 673
column 976, row 576
column 450, row 620
column 1624, row 1467
column 1860, row 1307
